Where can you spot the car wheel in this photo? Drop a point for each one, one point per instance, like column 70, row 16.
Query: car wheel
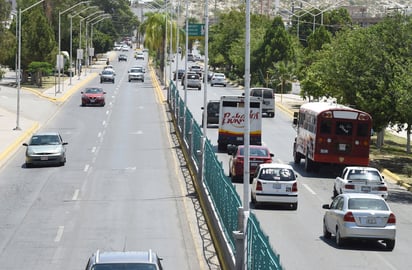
column 130, row 80
column 113, row 81
column 390, row 244
column 101, row 81
column 326, row 233
column 142, row 80
column 339, row 240
column 211, row 84
column 28, row 165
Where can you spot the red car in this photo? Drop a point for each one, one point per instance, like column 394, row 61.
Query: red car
column 258, row 154
column 93, row 96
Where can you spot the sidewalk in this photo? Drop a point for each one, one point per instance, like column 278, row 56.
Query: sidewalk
column 36, row 106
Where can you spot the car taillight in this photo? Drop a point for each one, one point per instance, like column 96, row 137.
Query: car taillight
column 392, row 219
column 348, row 217
column 295, row 187
column 383, row 188
column 258, row 186
column 268, row 160
column 349, row 186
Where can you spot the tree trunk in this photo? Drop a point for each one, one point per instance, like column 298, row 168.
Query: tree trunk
column 380, row 138
column 408, row 139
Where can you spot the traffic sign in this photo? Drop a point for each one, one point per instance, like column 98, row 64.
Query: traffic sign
column 196, row 30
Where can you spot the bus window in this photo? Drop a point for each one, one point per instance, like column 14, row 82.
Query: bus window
column 326, row 126
column 344, row 128
column 363, row 130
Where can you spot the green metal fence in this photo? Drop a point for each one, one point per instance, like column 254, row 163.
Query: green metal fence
column 223, row 196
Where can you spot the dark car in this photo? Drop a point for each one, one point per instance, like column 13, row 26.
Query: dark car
column 212, row 112
column 122, row 57
column 93, row 96
column 180, row 73
column 107, row 75
column 124, row 260
column 258, row 154
column 45, row 148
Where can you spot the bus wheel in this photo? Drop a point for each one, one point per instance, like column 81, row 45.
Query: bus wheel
column 308, row 164
column 296, row 155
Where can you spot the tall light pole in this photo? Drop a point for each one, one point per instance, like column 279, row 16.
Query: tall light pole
column 71, row 35
column 90, row 42
column 19, row 65
column 59, row 57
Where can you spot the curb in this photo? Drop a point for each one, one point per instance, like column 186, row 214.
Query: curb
column 396, row 179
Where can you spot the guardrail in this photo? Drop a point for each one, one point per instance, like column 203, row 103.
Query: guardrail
column 221, row 202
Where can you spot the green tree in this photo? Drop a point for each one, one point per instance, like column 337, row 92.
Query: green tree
column 7, row 39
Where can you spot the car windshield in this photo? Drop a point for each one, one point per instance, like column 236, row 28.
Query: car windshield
column 93, row 90
column 367, row 204
column 136, row 70
column 107, row 72
column 124, row 266
column 45, row 140
column 255, row 152
column 219, row 75
column 363, row 175
column 277, row 174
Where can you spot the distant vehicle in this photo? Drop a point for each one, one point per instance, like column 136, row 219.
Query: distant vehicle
column 193, row 81
column 276, row 184
column 190, row 57
column 136, row 73
column 232, row 121
column 196, row 68
column 93, row 96
column 360, row 180
column 122, row 57
column 125, row 48
column 330, row 133
column 182, row 82
column 124, row 260
column 139, row 56
column 45, row 148
column 218, row 79
column 268, row 100
column 359, row 216
column 258, row 154
column 212, row 112
column 107, row 75
column 180, row 73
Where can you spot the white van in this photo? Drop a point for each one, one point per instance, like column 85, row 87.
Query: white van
column 268, row 99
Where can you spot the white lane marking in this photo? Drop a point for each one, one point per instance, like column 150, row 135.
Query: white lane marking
column 99, row 135
column 104, row 123
column 86, row 167
column 309, row 189
column 75, row 195
column 59, row 234
column 94, row 149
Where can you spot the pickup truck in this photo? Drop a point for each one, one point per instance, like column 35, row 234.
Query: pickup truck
column 360, row 180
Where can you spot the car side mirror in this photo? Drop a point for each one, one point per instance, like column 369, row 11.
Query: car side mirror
column 25, row 144
column 326, row 206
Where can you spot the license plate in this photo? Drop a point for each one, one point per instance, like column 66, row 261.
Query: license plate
column 253, row 164
column 277, row 186
column 239, row 138
column 342, row 147
column 371, row 220
column 44, row 158
column 366, row 189
column 92, row 100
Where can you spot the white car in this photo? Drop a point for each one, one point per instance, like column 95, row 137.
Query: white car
column 359, row 216
column 360, row 180
column 275, row 183
column 218, row 79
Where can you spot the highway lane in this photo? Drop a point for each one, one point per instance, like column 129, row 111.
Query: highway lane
column 297, row 235
column 121, row 188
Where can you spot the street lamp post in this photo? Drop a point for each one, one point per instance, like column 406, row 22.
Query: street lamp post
column 59, row 57
column 90, row 42
column 19, row 65
column 71, row 35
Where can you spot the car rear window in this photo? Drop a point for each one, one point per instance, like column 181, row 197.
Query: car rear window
column 277, row 174
column 367, row 204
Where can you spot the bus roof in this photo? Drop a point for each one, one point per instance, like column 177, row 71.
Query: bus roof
column 318, row 107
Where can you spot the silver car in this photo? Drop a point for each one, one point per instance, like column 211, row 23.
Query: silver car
column 193, row 81
column 123, row 260
column 136, row 73
column 359, row 216
column 45, row 148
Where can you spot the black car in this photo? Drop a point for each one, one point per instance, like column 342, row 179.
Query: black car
column 122, row 57
column 180, row 73
column 212, row 112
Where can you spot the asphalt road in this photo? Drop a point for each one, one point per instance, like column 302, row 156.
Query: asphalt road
column 121, row 189
column 297, row 235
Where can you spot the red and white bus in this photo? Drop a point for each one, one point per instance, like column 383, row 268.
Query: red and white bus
column 331, row 133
